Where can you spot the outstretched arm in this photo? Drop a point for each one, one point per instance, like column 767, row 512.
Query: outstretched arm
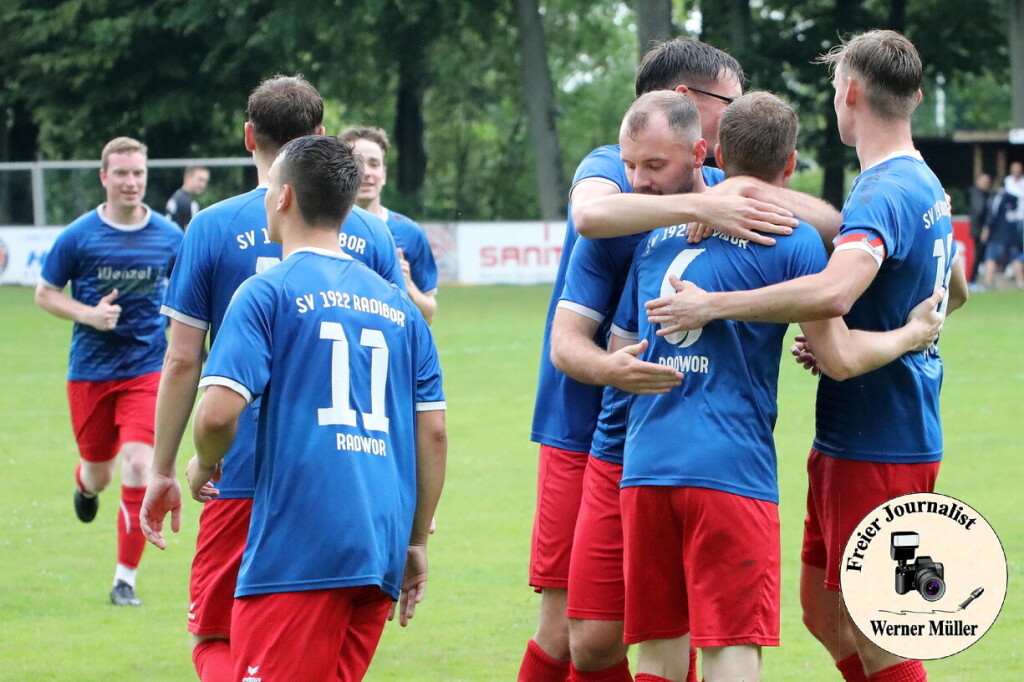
column 179, row 381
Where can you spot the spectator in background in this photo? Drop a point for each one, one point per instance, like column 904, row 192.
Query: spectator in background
column 1002, row 235
column 182, row 206
column 416, row 257
column 977, row 201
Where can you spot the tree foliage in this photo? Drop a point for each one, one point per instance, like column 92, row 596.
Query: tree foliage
column 442, row 77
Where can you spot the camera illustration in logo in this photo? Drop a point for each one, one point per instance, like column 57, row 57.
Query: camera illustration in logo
column 924, row 575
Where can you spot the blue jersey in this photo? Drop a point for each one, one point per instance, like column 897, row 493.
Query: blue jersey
column 593, row 283
column 715, row 429
column 343, row 361
column 565, row 410
column 226, row 244
column 97, row 256
column 891, row 414
column 412, row 240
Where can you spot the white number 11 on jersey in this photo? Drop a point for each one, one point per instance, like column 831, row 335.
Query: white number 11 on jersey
column 340, row 411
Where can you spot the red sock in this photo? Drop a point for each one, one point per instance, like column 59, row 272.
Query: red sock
column 617, row 673
column 130, row 540
column 648, row 677
column 78, row 480
column 537, row 666
column 852, row 669
column 212, row 659
column 691, row 676
column 907, row 671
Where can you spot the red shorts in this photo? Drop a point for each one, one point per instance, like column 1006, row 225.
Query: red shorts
column 700, row 561
column 223, row 528
column 559, row 488
column 107, row 414
column 328, row 635
column 841, row 492
column 597, row 590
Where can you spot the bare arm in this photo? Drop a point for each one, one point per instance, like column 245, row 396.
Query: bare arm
column 574, row 352
column 621, row 214
column 958, row 289
column 819, row 213
column 842, row 353
column 427, row 303
column 102, row 316
column 178, row 384
column 829, row 293
column 213, row 431
column 431, row 455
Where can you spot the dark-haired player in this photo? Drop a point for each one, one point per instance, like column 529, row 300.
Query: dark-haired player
column 351, row 447
column 226, row 244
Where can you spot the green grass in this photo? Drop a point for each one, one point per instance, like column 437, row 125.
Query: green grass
column 478, row 614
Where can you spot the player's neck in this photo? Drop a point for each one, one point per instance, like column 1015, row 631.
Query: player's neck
column 372, row 206
column 263, row 164
column 303, row 237
column 124, row 215
column 880, row 139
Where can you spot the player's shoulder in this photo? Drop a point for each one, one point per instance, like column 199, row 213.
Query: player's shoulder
column 228, row 211
column 396, row 218
column 164, row 224
column 712, row 176
column 86, row 221
column 605, row 163
column 359, row 216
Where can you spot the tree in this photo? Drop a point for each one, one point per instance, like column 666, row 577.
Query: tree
column 653, row 22
column 540, row 104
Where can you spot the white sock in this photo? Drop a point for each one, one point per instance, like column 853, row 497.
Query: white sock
column 126, row 574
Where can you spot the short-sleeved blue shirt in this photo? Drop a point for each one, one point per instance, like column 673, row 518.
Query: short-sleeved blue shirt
column 97, row 256
column 226, row 244
column 343, row 361
column 715, row 429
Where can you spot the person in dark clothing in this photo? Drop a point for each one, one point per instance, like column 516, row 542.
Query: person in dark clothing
column 182, row 206
column 977, row 201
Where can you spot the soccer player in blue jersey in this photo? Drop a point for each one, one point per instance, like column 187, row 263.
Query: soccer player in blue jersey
column 710, row 79
column 662, row 129
column 116, row 258
column 418, row 264
column 895, row 246
column 224, row 245
column 699, row 482
column 350, row 457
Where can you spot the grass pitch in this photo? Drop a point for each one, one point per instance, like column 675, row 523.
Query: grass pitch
column 55, row 572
